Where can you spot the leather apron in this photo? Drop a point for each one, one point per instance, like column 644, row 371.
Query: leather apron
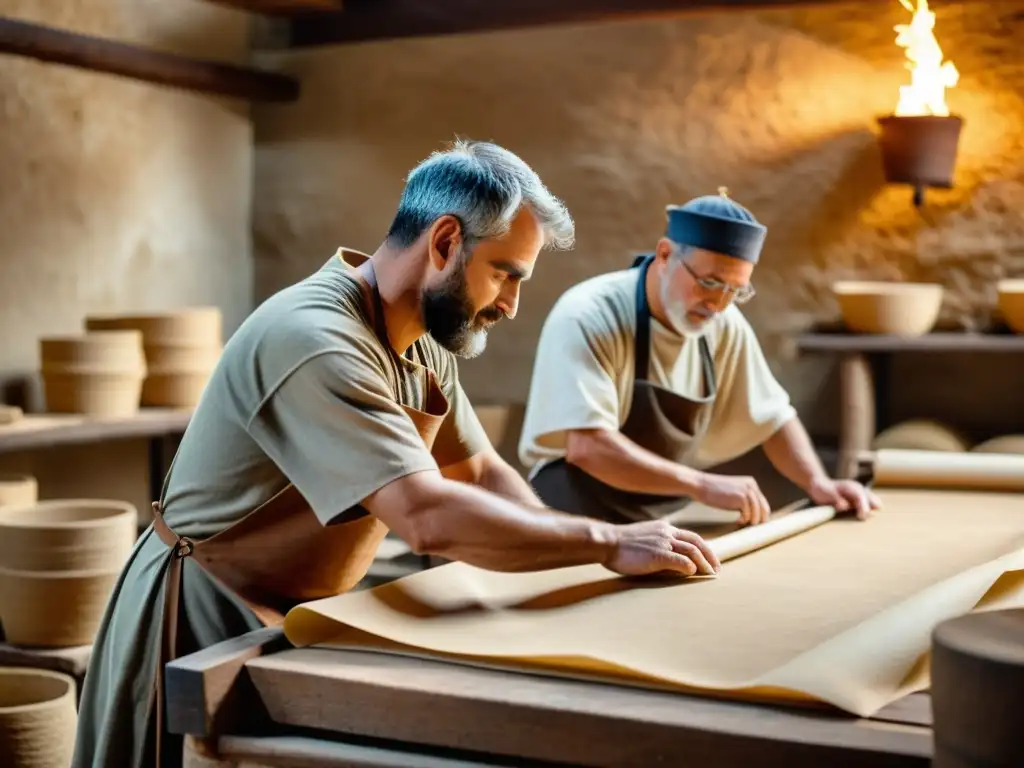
column 280, row 554
column 667, row 424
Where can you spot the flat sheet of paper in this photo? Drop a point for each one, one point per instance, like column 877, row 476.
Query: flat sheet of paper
column 841, row 613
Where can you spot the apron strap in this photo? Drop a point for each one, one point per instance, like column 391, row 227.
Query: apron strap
column 641, row 356
column 181, row 547
column 642, row 353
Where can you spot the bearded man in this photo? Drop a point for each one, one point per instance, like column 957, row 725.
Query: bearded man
column 334, row 415
column 647, row 379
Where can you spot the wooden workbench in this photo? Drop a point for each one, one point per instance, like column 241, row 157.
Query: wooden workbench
column 864, row 363
column 256, row 701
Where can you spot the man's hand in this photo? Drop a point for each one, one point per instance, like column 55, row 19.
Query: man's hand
column 655, row 547
column 844, row 495
column 740, row 494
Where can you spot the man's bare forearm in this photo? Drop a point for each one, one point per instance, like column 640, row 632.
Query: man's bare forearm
column 792, row 453
column 615, row 460
column 499, row 477
column 462, row 522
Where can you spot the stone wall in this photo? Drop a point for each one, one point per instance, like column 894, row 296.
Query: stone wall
column 116, row 195
column 622, row 118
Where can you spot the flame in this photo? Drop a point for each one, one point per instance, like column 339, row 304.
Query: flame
column 930, row 76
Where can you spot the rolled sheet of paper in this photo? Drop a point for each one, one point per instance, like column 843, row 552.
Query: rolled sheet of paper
column 754, row 537
column 820, row 608
column 941, row 469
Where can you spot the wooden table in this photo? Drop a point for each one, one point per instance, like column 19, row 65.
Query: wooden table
column 255, row 701
column 864, row 362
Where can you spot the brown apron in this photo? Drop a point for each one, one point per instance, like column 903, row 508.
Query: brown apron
column 665, row 423
column 280, row 554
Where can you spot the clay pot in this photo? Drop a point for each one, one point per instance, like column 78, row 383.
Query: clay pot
column 1012, row 444
column 38, row 718
column 67, row 535
column 921, row 435
column 96, row 374
column 54, row 609
column 189, row 326
column 95, row 351
column 181, row 347
column 899, row 309
column 18, row 490
column 1011, row 303
column 174, row 389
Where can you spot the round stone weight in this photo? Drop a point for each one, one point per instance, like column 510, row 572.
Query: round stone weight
column 977, row 671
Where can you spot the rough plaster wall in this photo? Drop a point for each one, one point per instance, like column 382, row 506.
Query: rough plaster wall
column 621, row 119
column 117, row 195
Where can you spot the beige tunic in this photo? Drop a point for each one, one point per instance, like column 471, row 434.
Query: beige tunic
column 583, row 374
column 304, row 393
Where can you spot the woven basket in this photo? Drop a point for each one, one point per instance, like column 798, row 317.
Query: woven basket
column 68, row 535
column 54, row 609
column 37, row 718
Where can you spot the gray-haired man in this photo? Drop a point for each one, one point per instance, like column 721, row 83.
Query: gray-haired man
column 335, row 414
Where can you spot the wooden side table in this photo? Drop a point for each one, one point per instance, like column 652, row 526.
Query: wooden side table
column 864, row 362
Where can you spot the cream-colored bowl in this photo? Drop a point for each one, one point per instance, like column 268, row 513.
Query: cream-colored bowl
column 1011, row 303
column 67, row 535
column 898, row 309
column 38, row 718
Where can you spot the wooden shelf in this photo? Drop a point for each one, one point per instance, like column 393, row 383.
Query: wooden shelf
column 36, row 431
column 840, row 342
column 97, row 54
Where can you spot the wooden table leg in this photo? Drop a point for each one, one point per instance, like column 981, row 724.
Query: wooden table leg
column 857, row 411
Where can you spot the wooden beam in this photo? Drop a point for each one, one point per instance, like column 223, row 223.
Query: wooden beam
column 361, row 20
column 59, row 46
column 209, row 692
column 281, row 7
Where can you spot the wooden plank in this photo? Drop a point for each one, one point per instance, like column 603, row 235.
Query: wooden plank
column 531, row 717
column 932, row 342
column 915, row 709
column 361, row 20
column 281, row 7
column 40, row 431
column 208, row 692
column 310, row 752
column 57, row 46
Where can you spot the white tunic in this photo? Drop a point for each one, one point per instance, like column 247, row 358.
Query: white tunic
column 583, row 374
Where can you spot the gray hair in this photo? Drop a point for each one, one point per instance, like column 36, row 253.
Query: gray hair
column 484, row 186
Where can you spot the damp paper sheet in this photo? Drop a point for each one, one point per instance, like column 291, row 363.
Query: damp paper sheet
column 834, row 611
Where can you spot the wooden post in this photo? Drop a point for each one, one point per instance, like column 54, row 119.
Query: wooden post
column 857, row 411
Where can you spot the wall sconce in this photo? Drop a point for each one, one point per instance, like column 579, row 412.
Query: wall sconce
column 919, row 141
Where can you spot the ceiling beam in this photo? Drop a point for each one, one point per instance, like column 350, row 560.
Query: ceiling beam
column 361, row 20
column 281, row 7
column 97, row 54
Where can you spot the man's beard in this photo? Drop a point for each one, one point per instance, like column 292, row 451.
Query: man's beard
column 449, row 317
column 680, row 320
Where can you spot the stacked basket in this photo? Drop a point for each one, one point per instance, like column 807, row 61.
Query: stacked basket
column 38, row 718
column 181, row 349
column 96, row 373
column 59, row 562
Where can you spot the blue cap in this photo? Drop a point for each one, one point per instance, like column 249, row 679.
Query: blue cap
column 717, row 223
